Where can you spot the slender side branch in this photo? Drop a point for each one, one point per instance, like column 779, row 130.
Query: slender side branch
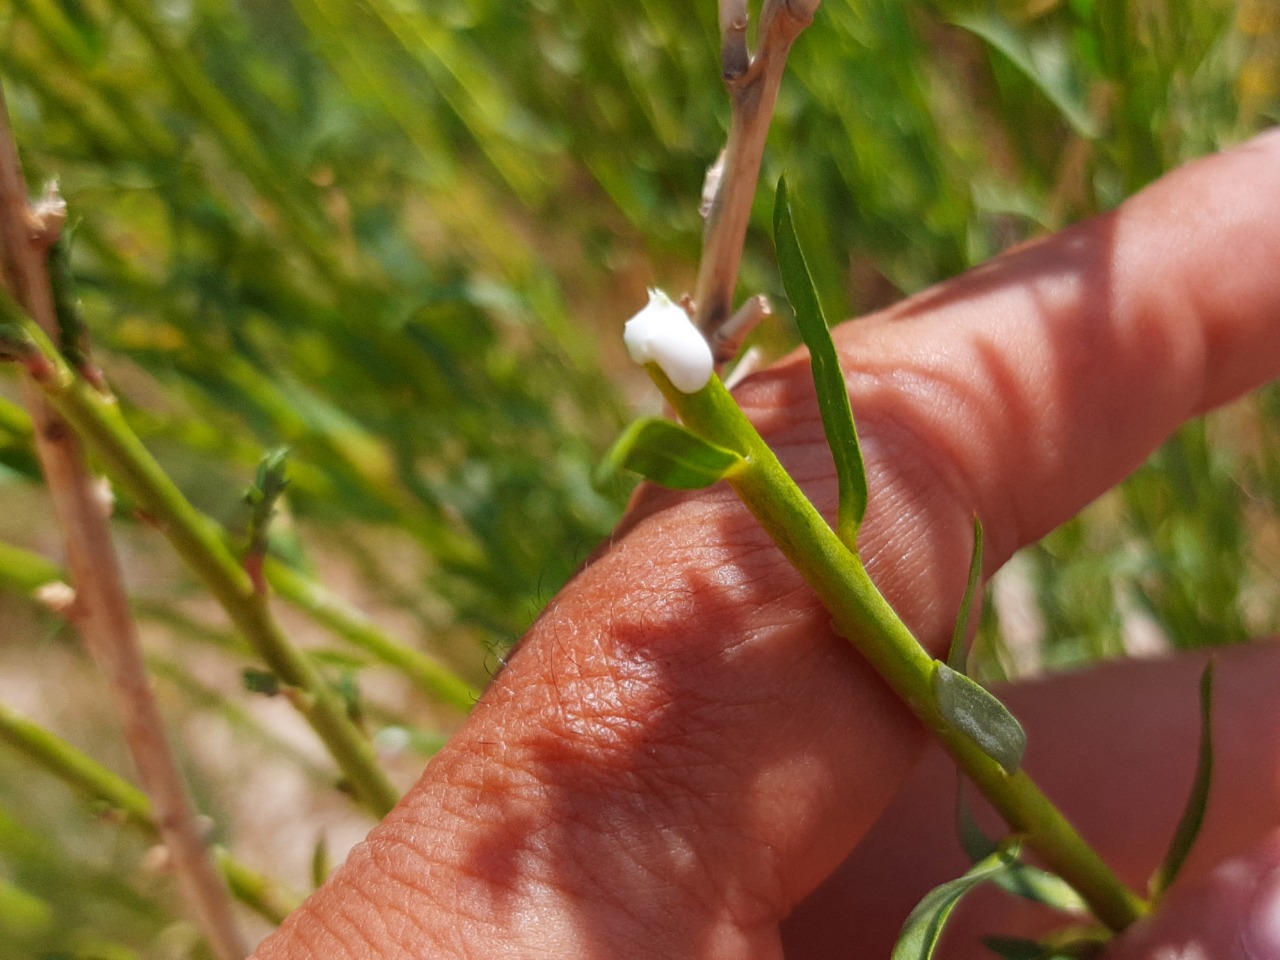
column 431, row 676
column 754, row 92
column 101, row 610
column 864, row 617
column 90, row 778
column 26, row 572
column 734, row 55
column 97, row 420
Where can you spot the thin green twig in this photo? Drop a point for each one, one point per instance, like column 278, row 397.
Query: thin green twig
column 100, row 609
column 90, row 778
column 25, row 571
column 348, row 622
column 96, row 418
column 865, row 618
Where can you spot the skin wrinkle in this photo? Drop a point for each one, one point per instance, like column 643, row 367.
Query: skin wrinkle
column 615, row 632
column 961, row 447
column 694, row 880
column 324, row 929
column 367, row 934
column 712, row 735
column 397, row 921
column 915, row 498
column 644, row 625
column 1050, row 285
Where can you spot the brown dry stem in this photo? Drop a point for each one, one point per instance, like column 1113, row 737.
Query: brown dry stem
column 753, row 84
column 102, row 613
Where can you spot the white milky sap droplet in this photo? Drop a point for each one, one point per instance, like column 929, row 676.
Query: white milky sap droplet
column 662, row 333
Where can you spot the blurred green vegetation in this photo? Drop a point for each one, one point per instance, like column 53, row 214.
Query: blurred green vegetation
column 397, row 236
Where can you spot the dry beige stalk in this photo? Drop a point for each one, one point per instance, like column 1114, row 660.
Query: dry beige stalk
column 753, row 84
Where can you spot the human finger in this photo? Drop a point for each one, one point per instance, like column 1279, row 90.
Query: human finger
column 1116, row 746
column 1231, row 913
column 681, row 749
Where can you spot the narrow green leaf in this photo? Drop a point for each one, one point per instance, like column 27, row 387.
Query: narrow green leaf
column 348, row 687
column 73, row 331
column 923, row 930
column 956, row 656
column 667, row 453
column 15, row 345
column 1041, row 886
column 833, row 394
column 1193, row 814
column 260, row 681
column 1049, row 74
column 977, row 712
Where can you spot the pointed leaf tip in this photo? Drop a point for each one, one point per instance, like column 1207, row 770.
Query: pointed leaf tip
column 1021, row 879
column 1188, row 829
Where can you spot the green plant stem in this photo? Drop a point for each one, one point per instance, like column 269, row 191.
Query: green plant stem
column 330, row 610
column 865, row 618
column 96, row 418
column 90, row 778
column 100, row 611
column 25, row 571
column 243, row 723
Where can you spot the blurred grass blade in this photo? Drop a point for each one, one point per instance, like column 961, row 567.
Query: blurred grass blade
column 1184, row 837
column 833, row 394
column 26, row 915
column 350, row 623
column 477, row 97
column 979, row 714
column 25, row 570
column 1055, row 84
column 128, row 804
column 956, row 656
column 321, row 863
column 923, row 930
column 668, row 454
